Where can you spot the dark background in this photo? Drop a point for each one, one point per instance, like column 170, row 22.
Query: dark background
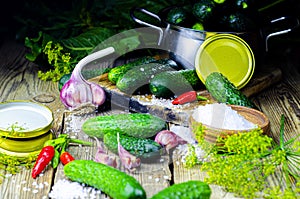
column 14, row 8
column 281, row 47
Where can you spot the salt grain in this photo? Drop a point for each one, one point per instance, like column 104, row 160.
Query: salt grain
column 35, row 191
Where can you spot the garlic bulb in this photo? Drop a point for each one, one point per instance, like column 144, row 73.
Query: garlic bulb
column 77, row 90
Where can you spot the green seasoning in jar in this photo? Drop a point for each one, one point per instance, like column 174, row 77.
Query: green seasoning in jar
column 24, row 127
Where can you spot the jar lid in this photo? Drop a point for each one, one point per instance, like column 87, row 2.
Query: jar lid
column 227, row 54
column 22, row 147
column 24, row 119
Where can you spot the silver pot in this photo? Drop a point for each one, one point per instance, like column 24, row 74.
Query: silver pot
column 183, row 43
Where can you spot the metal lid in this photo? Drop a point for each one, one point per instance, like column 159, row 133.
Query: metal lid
column 23, row 146
column 24, row 119
column 227, row 54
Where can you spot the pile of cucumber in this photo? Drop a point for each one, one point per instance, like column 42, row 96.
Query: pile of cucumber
column 160, row 77
column 216, row 15
column 165, row 79
column 136, row 131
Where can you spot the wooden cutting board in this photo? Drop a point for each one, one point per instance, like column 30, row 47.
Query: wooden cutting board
column 179, row 114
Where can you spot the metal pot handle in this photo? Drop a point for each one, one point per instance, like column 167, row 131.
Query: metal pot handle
column 139, row 21
column 282, row 31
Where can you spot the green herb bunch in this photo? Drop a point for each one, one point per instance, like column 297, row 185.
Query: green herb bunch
column 60, row 33
column 242, row 163
column 13, row 165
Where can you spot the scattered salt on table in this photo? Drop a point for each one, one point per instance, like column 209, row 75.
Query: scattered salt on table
column 65, row 189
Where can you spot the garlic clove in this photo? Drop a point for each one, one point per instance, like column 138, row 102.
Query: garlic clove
column 129, row 161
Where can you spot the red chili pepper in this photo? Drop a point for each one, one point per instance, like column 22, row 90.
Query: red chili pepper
column 44, row 157
column 66, row 157
column 186, row 97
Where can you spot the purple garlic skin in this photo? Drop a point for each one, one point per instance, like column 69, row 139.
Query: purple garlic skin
column 168, row 139
column 102, row 157
column 76, row 92
column 129, row 161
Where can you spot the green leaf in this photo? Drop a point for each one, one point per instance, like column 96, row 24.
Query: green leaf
column 35, row 47
column 88, row 40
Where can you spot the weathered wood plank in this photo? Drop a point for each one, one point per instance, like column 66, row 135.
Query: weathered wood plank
column 19, row 81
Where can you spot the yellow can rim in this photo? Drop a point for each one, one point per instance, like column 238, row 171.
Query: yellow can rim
column 227, row 54
column 27, row 145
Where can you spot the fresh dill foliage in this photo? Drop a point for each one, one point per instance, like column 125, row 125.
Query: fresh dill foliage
column 243, row 162
column 59, row 59
column 13, row 164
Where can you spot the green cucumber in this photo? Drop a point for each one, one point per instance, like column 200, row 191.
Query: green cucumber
column 140, row 125
column 63, row 80
column 224, row 91
column 173, row 83
column 113, row 182
column 192, row 189
column 115, row 73
column 203, row 10
column 137, row 79
column 141, row 147
column 177, row 15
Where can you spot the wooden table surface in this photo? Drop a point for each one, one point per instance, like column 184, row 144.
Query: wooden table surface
column 19, row 81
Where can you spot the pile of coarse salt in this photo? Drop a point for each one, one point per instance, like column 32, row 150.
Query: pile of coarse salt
column 220, row 115
column 65, row 189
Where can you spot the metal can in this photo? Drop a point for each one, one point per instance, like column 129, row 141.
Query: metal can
column 24, row 127
column 227, row 54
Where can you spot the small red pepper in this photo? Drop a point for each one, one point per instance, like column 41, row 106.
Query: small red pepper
column 66, row 157
column 44, row 158
column 186, row 97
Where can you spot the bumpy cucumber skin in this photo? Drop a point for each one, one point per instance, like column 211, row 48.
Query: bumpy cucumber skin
column 177, row 16
column 173, row 83
column 141, row 147
column 187, row 190
column 225, row 91
column 111, row 181
column 115, row 73
column 138, row 78
column 140, row 125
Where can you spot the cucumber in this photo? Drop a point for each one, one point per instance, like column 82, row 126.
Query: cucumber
column 63, row 80
column 177, row 16
column 113, row 182
column 203, row 10
column 173, row 83
column 137, row 79
column 192, row 189
column 141, row 147
column 140, row 125
column 237, row 22
column 225, row 91
column 115, row 73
